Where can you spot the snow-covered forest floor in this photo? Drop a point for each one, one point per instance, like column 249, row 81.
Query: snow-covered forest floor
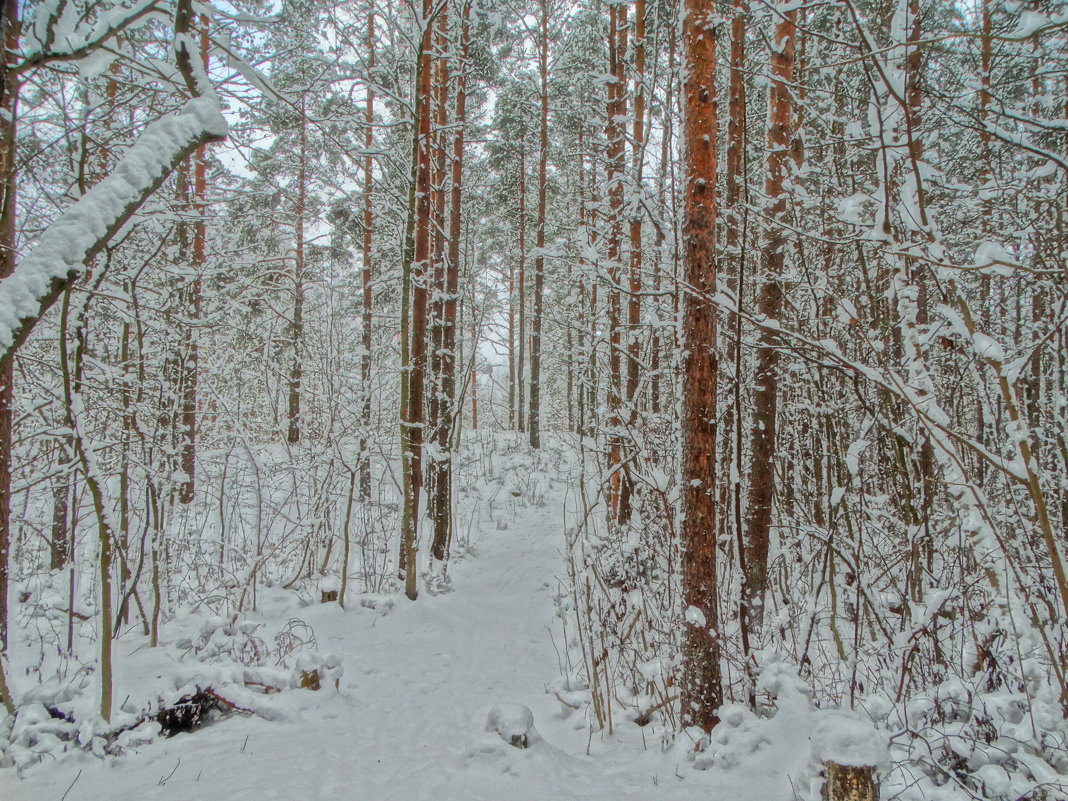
column 417, row 685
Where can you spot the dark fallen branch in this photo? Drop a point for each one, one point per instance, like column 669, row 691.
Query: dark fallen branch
column 192, row 711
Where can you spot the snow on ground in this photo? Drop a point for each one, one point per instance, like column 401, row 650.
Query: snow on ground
column 408, row 720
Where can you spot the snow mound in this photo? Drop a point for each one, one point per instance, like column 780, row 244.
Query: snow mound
column 847, row 739
column 514, row 723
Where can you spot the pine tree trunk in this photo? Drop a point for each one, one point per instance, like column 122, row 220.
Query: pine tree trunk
column 618, row 509
column 769, row 306
column 701, row 691
column 534, row 423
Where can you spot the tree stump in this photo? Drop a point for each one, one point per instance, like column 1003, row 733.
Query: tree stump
column 329, row 596
column 849, row 783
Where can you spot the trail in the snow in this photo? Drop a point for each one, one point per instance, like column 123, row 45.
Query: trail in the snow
column 408, row 721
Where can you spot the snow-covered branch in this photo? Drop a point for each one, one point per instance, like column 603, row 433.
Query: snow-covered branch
column 83, row 231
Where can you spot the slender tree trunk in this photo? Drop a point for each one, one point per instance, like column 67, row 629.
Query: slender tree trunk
column 60, row 539
column 368, row 241
column 521, row 300
column 84, row 452
column 925, row 459
column 585, row 342
column 191, row 356
column 617, row 109
column 512, row 372
column 534, row 424
column 447, row 409
column 438, row 234
column 769, row 306
column 655, row 362
column 634, row 301
column 9, row 87
column 414, row 306
column 634, row 307
column 297, row 323
column 735, row 183
column 701, row 690
column 474, row 400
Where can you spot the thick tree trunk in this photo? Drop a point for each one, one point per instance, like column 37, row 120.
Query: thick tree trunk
column 701, row 690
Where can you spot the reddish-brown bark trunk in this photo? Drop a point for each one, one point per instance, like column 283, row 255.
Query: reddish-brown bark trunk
column 701, row 689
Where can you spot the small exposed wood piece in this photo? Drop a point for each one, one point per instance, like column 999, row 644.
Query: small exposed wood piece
column 309, row 680
column 849, row 783
column 329, row 596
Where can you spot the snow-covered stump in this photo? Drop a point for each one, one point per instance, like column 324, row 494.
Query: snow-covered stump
column 850, row 750
column 329, row 588
column 514, row 723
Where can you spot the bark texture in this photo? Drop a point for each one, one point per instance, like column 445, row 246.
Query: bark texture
column 702, row 693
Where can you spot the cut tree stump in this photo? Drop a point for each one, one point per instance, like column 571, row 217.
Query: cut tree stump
column 849, row 783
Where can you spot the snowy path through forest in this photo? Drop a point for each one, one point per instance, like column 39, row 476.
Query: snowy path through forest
column 409, row 719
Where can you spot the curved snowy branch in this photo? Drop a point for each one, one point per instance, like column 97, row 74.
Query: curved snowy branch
column 84, row 229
